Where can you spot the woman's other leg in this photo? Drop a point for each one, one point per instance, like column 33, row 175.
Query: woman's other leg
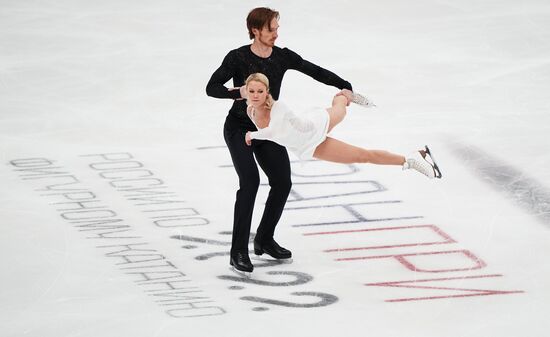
column 337, row 112
column 334, row 150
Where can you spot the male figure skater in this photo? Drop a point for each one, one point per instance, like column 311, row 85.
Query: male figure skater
column 264, row 57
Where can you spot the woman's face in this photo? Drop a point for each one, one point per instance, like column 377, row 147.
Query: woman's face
column 257, row 93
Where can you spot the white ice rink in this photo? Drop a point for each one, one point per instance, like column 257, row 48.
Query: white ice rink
column 117, row 190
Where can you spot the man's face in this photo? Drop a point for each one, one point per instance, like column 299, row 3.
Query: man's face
column 268, row 35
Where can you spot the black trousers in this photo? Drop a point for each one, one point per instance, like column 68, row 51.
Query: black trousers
column 274, row 161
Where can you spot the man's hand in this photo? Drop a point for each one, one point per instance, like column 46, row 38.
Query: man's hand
column 244, row 94
column 247, row 139
column 242, row 91
column 347, row 94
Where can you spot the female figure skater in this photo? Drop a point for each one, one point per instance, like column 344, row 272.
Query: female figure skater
column 307, row 137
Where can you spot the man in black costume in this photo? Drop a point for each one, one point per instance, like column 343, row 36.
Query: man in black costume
column 262, row 56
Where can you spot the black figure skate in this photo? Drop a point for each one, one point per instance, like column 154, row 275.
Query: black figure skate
column 240, row 263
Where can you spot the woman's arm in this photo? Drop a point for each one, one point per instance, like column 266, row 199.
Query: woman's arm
column 265, row 133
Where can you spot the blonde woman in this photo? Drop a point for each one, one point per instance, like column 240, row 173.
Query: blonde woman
column 307, row 136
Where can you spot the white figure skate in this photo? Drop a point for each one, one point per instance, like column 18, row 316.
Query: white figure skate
column 361, row 100
column 424, row 164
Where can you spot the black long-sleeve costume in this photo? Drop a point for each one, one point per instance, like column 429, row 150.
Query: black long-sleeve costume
column 238, row 64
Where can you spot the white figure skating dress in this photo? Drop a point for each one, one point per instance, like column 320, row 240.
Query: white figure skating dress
column 301, row 135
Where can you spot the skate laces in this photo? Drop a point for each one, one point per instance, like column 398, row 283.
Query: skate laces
column 361, row 100
column 420, row 164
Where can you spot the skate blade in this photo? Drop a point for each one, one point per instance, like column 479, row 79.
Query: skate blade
column 433, row 163
column 245, row 274
column 273, row 261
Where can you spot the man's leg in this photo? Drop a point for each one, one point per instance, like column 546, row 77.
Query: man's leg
column 249, row 180
column 274, row 161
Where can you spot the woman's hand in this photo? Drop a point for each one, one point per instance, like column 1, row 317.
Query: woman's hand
column 248, row 139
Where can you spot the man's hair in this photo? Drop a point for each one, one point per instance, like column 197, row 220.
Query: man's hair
column 259, row 18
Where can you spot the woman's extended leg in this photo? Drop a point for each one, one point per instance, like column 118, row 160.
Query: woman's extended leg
column 337, row 151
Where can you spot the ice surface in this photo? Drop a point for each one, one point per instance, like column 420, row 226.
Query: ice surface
column 116, row 183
